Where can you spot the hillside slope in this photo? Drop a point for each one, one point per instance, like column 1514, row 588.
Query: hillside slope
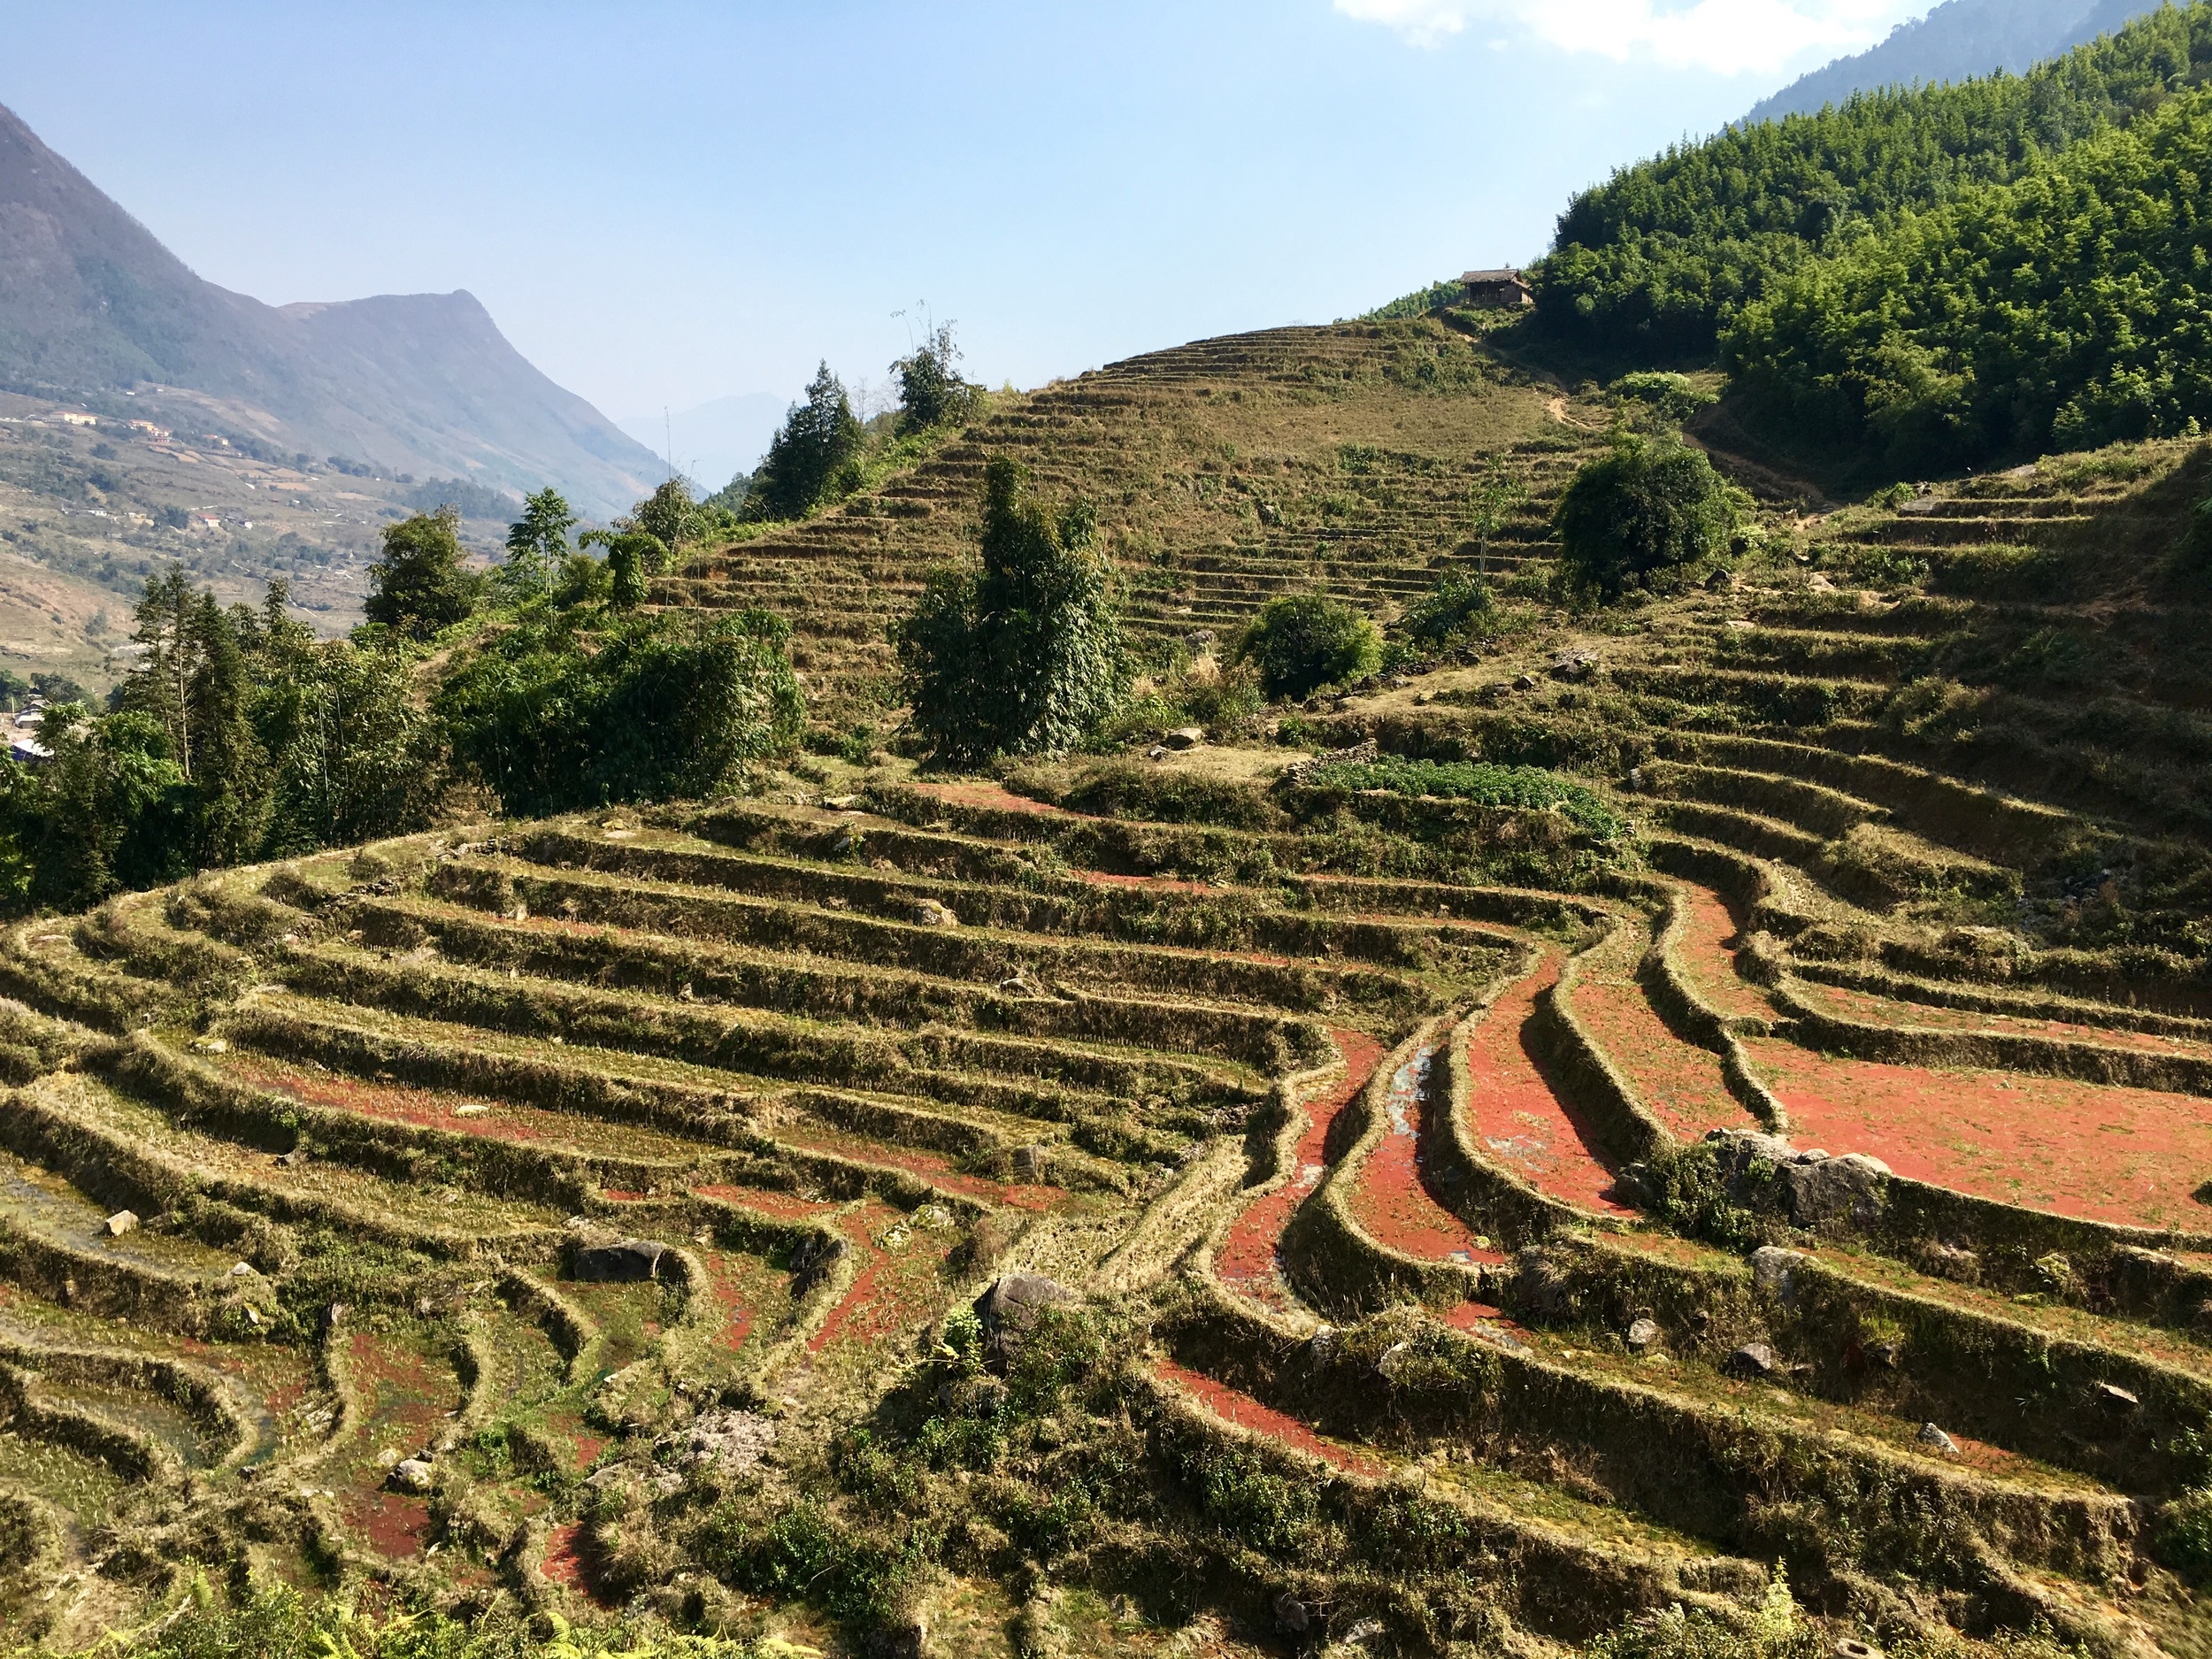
column 1653, row 262
column 1957, row 41
column 1469, row 1226
column 91, row 302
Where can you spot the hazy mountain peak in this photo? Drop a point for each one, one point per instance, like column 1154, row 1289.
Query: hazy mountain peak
column 1957, row 41
column 90, row 300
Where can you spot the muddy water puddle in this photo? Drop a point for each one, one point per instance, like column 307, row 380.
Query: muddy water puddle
column 47, row 1206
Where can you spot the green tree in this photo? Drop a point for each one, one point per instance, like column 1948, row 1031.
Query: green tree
column 418, row 586
column 111, row 809
column 1022, row 655
column 671, row 518
column 353, row 757
column 229, row 769
column 817, row 439
column 1302, row 642
column 536, row 544
column 1647, row 507
column 931, row 391
column 554, row 717
column 1496, row 496
column 631, row 556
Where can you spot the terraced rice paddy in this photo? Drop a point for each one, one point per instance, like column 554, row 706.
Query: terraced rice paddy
column 1481, row 1227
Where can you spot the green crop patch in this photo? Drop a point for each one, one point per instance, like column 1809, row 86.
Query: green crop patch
column 1527, row 787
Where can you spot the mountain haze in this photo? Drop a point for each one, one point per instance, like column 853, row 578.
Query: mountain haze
column 1957, row 41
column 90, row 303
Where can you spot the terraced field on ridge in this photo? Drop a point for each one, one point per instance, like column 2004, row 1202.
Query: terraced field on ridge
column 1222, row 473
column 1482, row 1229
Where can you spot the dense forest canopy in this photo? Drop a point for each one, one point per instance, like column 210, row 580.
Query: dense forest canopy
column 2067, row 309
column 1656, row 262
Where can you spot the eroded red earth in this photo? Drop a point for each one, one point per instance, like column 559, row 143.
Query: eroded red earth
column 2129, row 1155
column 1248, row 1261
column 1391, row 1201
column 1517, row 1120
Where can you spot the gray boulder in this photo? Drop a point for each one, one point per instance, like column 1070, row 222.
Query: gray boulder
column 632, row 1262
column 1011, row 1308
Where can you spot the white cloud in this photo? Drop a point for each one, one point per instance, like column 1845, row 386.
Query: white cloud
column 1728, row 36
column 1422, row 22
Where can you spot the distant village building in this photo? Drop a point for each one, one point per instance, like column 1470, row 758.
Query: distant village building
column 1498, row 290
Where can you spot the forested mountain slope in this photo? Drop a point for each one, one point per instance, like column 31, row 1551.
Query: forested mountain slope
column 2062, row 310
column 1959, row 40
column 1652, row 263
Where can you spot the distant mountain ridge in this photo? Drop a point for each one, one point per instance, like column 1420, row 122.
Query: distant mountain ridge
column 1957, row 41
column 91, row 301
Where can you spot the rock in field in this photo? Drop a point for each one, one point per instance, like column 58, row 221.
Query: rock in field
column 1008, row 1309
column 631, row 1262
column 1936, row 1440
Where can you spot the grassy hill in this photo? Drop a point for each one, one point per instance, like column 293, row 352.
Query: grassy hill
column 1497, row 1218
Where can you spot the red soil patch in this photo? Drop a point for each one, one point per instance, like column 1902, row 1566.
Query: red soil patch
column 403, row 1400
column 567, row 1560
column 396, row 1526
column 894, row 1287
column 767, row 1201
column 930, row 1166
column 1468, row 1315
column 737, row 1283
column 427, row 1109
column 1704, row 950
column 1682, row 1084
column 1881, row 1010
column 1247, row 1413
column 1248, row 1261
column 1515, row 1116
column 2128, row 1156
column 1391, row 1201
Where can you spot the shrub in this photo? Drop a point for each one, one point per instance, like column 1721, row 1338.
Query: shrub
column 1450, row 610
column 1645, row 510
column 1302, row 642
column 418, row 585
column 655, row 707
column 1675, row 397
column 1022, row 655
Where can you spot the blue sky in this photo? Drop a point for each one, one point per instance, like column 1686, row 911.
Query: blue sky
column 669, row 204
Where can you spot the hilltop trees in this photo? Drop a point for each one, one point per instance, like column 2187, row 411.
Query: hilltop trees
column 931, row 391
column 2066, row 308
column 1650, row 507
column 1656, row 261
column 818, row 438
column 418, row 586
column 1022, row 655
